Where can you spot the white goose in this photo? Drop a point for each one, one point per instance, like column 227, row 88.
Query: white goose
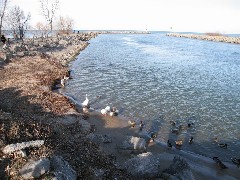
column 105, row 111
column 86, row 102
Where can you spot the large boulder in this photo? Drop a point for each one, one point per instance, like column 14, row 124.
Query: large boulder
column 133, row 143
column 145, row 165
column 178, row 170
column 61, row 169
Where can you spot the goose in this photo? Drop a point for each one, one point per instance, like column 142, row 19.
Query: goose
column 63, row 82
column 105, row 110
column 85, row 102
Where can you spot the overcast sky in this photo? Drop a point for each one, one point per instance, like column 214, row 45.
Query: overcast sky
column 160, row 15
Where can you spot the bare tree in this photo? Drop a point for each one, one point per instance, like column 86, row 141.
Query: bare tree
column 3, row 6
column 42, row 30
column 65, row 25
column 49, row 8
column 18, row 22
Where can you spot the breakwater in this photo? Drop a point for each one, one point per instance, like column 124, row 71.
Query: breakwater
column 219, row 38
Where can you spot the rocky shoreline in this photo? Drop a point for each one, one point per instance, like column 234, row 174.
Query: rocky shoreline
column 217, row 38
column 45, row 135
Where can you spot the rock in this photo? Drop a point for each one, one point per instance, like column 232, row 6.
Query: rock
column 179, row 169
column 61, row 169
column 34, row 169
column 134, row 143
column 145, row 165
column 18, row 146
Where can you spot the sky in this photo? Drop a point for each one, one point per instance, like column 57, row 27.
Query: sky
column 154, row 15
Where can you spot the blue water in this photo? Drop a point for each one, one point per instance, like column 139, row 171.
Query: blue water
column 157, row 78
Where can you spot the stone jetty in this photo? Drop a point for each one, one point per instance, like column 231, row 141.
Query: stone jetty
column 218, row 38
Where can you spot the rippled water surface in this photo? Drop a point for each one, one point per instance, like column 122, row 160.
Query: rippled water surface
column 156, row 78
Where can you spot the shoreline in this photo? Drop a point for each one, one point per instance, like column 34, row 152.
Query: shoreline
column 28, row 103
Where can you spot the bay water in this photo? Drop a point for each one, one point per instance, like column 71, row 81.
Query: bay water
column 157, row 79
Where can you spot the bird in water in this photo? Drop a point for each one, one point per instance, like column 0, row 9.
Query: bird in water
column 221, row 145
column 153, row 135
column 219, row 163
column 191, row 140
column 141, row 125
column 173, row 123
column 169, row 144
column 114, row 111
column 132, row 123
column 178, row 144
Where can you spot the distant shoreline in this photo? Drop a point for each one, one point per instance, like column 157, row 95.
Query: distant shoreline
column 217, row 38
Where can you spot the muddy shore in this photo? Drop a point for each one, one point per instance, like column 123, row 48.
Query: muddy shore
column 30, row 111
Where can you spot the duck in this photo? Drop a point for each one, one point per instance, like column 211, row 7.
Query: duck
column 191, row 140
column 169, row 144
column 153, row 135
column 219, row 163
column 221, row 145
column 236, row 161
column 114, row 111
column 141, row 125
column 175, row 131
column 189, row 125
column 132, row 123
column 178, row 144
column 173, row 123
column 215, row 140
